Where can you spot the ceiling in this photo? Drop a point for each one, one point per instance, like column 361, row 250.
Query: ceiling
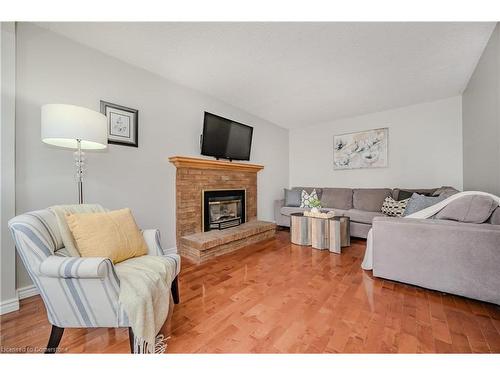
column 299, row 74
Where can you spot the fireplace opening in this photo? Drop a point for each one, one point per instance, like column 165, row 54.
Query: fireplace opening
column 223, row 209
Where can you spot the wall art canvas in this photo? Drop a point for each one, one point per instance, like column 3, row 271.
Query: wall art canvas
column 366, row 149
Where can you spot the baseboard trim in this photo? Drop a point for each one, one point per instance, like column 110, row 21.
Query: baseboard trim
column 27, row 291
column 9, row 305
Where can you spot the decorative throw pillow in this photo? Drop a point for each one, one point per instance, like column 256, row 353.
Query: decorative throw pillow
column 469, row 209
column 307, row 199
column 112, row 235
column 292, row 198
column 61, row 211
column 392, row 207
column 418, row 202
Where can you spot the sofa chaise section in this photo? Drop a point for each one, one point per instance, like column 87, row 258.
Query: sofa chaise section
column 452, row 257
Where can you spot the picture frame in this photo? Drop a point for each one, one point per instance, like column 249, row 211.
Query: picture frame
column 122, row 124
column 363, row 149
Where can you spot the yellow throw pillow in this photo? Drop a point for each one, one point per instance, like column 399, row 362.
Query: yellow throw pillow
column 112, row 234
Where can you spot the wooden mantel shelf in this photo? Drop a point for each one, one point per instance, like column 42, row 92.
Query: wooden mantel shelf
column 198, row 163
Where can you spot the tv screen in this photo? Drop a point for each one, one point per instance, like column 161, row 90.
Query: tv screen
column 224, row 138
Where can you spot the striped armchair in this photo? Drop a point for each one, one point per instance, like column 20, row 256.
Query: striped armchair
column 77, row 292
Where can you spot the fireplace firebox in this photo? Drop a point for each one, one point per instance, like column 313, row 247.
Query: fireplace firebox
column 223, row 209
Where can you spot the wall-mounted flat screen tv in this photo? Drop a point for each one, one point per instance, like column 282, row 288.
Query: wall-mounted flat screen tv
column 224, row 138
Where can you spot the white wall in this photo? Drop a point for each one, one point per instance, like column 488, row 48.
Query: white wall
column 8, row 295
column 481, row 121
column 53, row 69
column 425, row 149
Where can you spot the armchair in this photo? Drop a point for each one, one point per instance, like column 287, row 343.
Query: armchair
column 77, row 292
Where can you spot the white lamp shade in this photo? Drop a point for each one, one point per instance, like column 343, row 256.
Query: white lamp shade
column 64, row 124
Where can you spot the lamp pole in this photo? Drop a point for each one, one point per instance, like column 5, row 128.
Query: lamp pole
column 79, row 170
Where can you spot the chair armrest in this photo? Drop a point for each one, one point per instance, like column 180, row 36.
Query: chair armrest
column 152, row 238
column 76, row 267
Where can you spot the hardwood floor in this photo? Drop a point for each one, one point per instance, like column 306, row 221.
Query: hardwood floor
column 274, row 297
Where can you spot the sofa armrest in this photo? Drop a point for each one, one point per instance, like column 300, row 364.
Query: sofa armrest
column 76, row 267
column 278, row 204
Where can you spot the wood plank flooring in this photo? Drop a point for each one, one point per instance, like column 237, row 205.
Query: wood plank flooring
column 275, row 297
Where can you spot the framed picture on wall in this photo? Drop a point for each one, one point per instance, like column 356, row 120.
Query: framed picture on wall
column 123, row 124
column 365, row 149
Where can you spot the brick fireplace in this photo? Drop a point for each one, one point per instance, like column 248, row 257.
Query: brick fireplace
column 195, row 177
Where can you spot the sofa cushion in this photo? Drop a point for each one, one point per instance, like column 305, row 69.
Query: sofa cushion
column 369, row 199
column 292, row 197
column 337, row 198
column 401, row 194
column 445, row 191
column 392, row 207
column 469, row 209
column 365, row 217
column 418, row 202
column 287, row 211
column 495, row 217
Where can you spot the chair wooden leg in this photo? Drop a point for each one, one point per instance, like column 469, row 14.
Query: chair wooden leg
column 131, row 339
column 54, row 340
column 175, row 290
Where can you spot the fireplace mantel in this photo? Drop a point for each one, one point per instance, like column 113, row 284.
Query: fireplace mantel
column 199, row 163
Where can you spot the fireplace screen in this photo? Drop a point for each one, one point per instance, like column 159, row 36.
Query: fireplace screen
column 223, row 209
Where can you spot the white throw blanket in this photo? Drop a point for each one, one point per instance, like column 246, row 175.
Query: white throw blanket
column 145, row 295
column 423, row 214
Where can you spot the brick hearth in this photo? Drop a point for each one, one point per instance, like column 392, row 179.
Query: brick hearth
column 195, row 175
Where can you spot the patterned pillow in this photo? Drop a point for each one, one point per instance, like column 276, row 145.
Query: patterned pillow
column 306, row 199
column 392, row 207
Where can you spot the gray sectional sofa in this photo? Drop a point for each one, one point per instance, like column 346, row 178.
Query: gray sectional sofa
column 361, row 205
column 445, row 255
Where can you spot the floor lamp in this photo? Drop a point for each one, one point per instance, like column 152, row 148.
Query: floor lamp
column 72, row 127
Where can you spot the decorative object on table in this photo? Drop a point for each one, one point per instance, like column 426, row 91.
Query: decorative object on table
column 366, row 149
column 122, row 124
column 73, row 127
column 392, row 207
column 309, row 200
column 320, row 214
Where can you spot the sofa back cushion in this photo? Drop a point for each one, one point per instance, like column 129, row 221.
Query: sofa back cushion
column 370, row 199
column 292, row 197
column 401, row 193
column 495, row 217
column 337, row 198
column 469, row 209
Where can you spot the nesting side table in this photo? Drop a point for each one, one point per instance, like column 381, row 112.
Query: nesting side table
column 300, row 229
column 339, row 234
column 320, row 233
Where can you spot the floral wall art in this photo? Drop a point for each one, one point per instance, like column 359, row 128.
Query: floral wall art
column 366, row 149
